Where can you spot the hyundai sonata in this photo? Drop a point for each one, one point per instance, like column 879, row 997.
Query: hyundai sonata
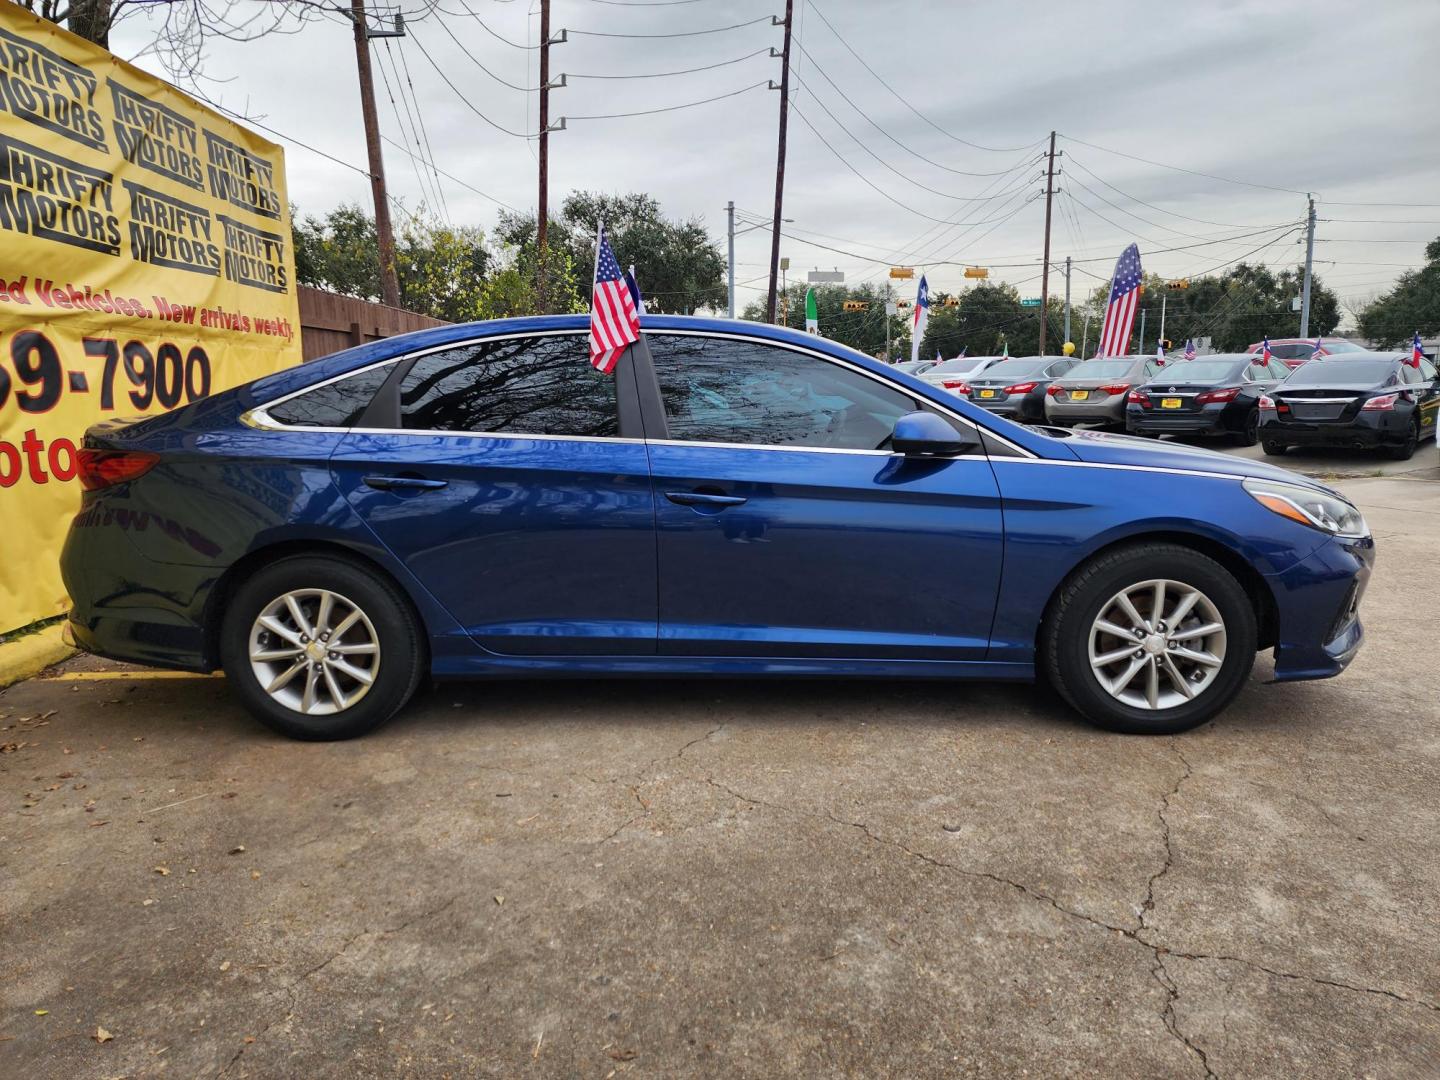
column 737, row 499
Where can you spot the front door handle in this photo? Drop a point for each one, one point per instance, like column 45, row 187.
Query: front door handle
column 403, row 483
column 702, row 498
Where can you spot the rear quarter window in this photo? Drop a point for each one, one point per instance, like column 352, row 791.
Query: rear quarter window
column 338, row 404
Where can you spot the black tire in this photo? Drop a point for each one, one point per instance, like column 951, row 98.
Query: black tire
column 1273, row 449
column 400, row 661
column 1406, row 450
column 1065, row 636
column 1249, row 435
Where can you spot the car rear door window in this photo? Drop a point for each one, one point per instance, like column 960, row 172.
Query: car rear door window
column 337, row 404
column 522, row 386
column 725, row 390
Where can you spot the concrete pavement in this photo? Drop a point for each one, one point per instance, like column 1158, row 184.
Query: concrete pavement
column 735, row 879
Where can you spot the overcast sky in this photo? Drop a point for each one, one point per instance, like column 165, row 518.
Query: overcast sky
column 1324, row 96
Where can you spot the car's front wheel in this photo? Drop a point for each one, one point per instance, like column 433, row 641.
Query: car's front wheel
column 320, row 648
column 1152, row 639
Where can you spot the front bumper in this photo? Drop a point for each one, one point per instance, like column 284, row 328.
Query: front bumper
column 1318, row 602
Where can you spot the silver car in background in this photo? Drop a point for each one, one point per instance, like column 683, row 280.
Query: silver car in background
column 1094, row 392
column 951, row 374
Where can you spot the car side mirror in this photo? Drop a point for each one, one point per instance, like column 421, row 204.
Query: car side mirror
column 923, row 434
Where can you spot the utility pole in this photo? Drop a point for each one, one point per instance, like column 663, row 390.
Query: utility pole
column 779, row 160
column 1085, row 339
column 1163, row 297
column 389, row 285
column 1140, row 342
column 887, row 320
column 542, row 213
column 1067, row 297
column 1309, row 260
column 730, row 229
column 1045, row 264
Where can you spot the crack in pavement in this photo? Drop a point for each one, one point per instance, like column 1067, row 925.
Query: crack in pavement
column 1167, row 1015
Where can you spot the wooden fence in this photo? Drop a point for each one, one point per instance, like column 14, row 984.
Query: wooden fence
column 330, row 322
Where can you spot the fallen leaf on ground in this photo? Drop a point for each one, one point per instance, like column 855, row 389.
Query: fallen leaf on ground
column 624, row 1055
column 225, row 966
column 255, row 875
column 101, row 1035
column 499, row 899
column 42, row 1012
column 240, row 850
column 163, row 871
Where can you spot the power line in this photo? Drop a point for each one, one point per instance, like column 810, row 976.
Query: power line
column 1177, row 168
column 425, row 133
column 484, row 26
column 472, row 58
column 1173, row 213
column 905, row 101
column 669, row 108
column 449, row 176
column 463, row 99
column 400, row 122
column 681, row 34
column 1147, row 221
column 1407, row 205
column 667, row 74
column 1378, row 221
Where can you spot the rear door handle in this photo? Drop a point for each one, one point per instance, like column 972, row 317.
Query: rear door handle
column 700, row 498
column 403, row 483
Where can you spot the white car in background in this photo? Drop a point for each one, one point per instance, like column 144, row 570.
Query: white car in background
column 951, row 374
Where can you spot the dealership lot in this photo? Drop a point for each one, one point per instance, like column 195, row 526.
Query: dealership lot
column 652, row 878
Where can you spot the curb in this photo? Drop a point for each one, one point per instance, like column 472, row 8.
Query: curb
column 27, row 656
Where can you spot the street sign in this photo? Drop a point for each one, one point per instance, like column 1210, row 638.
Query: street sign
column 855, row 305
column 902, row 271
column 1030, row 301
column 889, row 307
column 818, row 277
column 785, row 262
column 976, row 272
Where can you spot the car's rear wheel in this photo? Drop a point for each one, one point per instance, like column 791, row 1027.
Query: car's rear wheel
column 1151, row 640
column 1406, row 450
column 1273, row 448
column 320, row 648
column 1250, row 433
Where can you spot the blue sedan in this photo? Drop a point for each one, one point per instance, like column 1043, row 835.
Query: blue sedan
column 735, row 500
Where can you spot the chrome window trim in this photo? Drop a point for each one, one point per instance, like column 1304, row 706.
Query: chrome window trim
column 772, row 447
column 804, row 351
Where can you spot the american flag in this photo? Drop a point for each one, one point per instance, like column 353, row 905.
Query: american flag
column 614, row 322
column 1417, row 351
column 1189, row 349
column 1124, row 299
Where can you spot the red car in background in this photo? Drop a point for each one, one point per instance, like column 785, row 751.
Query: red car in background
column 1295, row 351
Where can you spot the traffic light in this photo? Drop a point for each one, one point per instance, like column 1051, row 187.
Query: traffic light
column 1166, row 344
column 1178, row 283
column 950, row 301
column 855, row 305
column 902, row 304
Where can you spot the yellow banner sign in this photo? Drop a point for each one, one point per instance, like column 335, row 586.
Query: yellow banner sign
column 145, row 262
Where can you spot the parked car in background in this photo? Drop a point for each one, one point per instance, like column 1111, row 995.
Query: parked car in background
column 1016, row 387
column 1296, row 351
column 1374, row 401
column 477, row 501
column 1214, row 395
column 951, row 374
column 916, row 367
column 1094, row 391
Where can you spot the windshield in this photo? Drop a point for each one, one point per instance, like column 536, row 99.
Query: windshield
column 1335, row 347
column 1327, row 372
column 1199, row 370
column 1101, row 369
column 1009, row 369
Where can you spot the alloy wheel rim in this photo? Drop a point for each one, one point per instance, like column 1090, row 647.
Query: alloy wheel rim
column 314, row 651
column 1157, row 644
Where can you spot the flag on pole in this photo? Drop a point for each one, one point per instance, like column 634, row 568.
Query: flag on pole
column 1006, row 352
column 963, row 350
column 812, row 313
column 1189, row 349
column 634, row 287
column 1265, row 348
column 1160, row 351
column 920, row 318
column 614, row 322
column 1318, row 348
column 1417, row 352
column 1124, row 299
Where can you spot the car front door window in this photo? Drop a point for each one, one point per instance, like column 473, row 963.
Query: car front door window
column 722, row 390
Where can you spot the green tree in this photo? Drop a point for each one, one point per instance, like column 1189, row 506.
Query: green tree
column 441, row 269
column 862, row 330
column 1413, row 304
column 679, row 268
column 986, row 320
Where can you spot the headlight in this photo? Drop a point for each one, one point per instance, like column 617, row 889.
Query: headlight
column 1328, row 513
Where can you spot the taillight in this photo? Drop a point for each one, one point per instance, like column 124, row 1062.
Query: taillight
column 1383, row 403
column 1269, row 404
column 1021, row 388
column 1055, row 391
column 1211, row 396
column 1115, row 388
column 1139, row 397
column 957, row 385
column 98, row 469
